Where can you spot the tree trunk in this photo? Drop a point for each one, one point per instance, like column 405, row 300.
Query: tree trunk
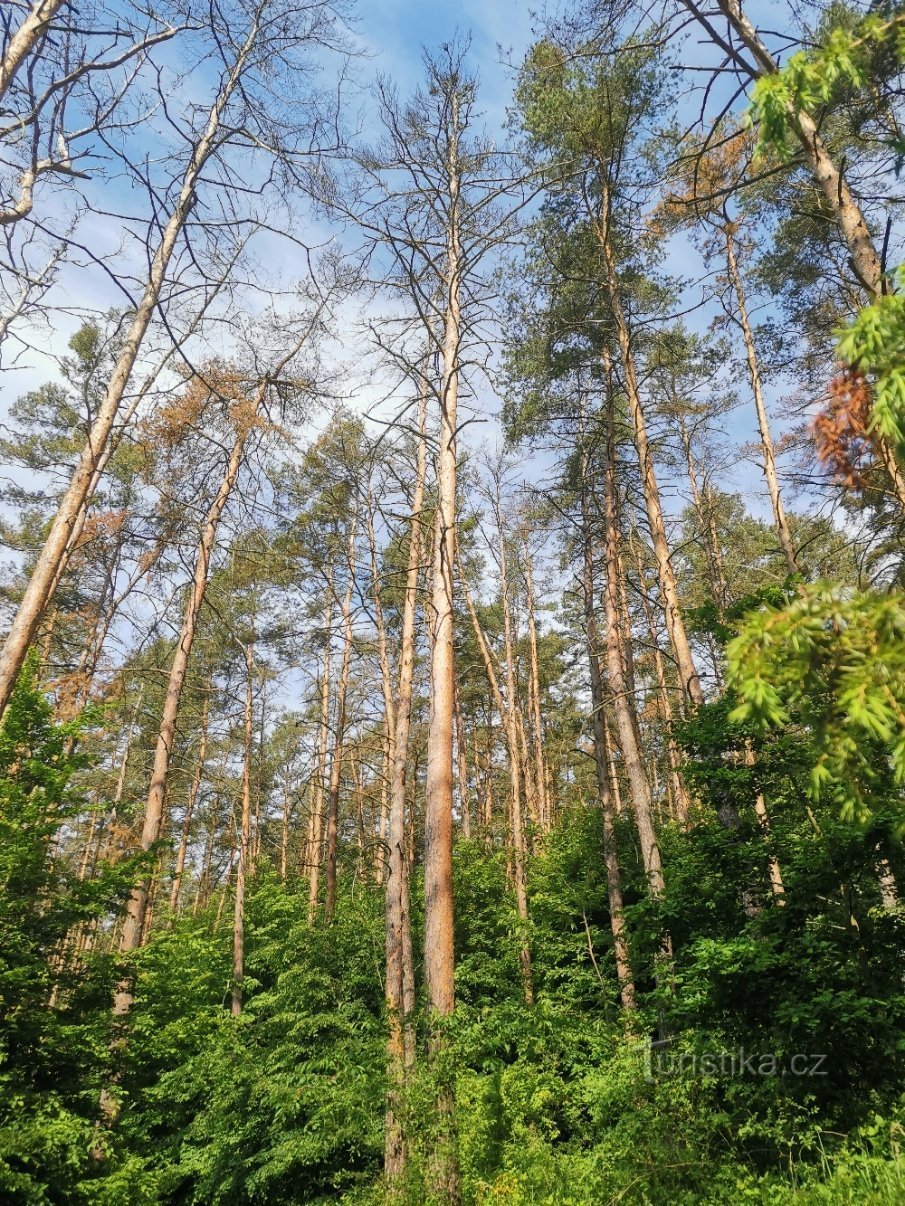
column 399, row 968
column 242, row 868
column 763, row 422
column 439, row 951
column 190, row 808
column 675, row 624
column 715, row 572
column 389, row 718
column 336, row 763
column 679, row 794
column 623, row 703
column 510, row 723
column 540, row 777
column 602, row 758
column 439, row 935
column 71, row 510
column 464, row 804
column 316, row 815
column 154, row 808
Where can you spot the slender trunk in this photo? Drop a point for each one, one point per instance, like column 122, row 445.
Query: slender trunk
column 316, row 814
column 611, row 763
column 464, row 804
column 540, row 777
column 71, row 510
column 602, row 758
column 104, row 848
column 439, row 934
column 284, row 834
column 439, row 950
column 510, row 723
column 632, row 756
column 154, row 807
column 675, row 623
column 679, row 794
column 718, row 588
column 202, row 896
column 242, row 867
column 763, row 422
column 389, row 719
column 342, row 687
column 190, row 808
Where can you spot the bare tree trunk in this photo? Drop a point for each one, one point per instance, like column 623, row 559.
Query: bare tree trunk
column 602, row 763
column 679, row 794
column 715, row 572
column 540, row 777
column 284, row 834
column 464, row 803
column 675, row 624
column 439, row 931
column 242, row 867
column 623, row 704
column 190, row 808
column 71, row 509
column 510, row 723
column 342, row 687
column 316, row 816
column 389, row 718
column 439, row 949
column 154, row 808
column 763, row 422
column 203, row 895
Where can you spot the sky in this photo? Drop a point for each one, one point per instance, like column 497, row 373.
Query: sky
column 393, row 32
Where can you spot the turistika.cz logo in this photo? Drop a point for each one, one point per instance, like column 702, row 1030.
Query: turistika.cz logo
column 665, row 1058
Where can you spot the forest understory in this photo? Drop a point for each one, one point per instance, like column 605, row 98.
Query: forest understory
column 452, row 691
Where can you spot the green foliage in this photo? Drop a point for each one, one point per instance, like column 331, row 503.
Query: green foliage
column 834, row 662
column 810, row 79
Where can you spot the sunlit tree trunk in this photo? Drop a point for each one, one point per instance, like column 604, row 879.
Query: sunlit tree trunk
column 400, row 986
column 623, row 703
column 244, row 842
column 679, row 793
column 540, row 777
column 715, row 571
column 763, row 422
column 510, row 724
column 602, row 762
column 342, row 687
column 190, row 808
column 316, row 814
column 675, row 624
column 439, row 949
column 154, row 807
